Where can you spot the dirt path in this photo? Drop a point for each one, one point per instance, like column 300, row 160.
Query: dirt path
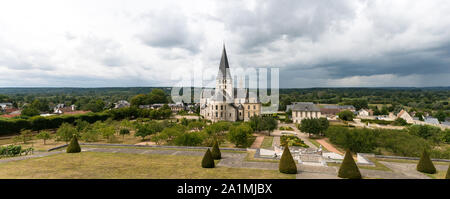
column 258, row 141
column 328, row 146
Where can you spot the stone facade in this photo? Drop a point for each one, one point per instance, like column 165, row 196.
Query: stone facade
column 303, row 110
column 226, row 103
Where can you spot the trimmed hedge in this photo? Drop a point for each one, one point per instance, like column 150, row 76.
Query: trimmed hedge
column 287, row 163
column 73, row 147
column 216, row 155
column 425, row 164
column 348, row 168
column 36, row 123
column 208, row 161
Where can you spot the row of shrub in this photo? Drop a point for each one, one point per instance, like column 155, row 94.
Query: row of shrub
column 36, row 123
column 13, row 150
column 398, row 142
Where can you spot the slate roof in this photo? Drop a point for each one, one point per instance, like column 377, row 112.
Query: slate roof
column 304, row 106
column 431, row 120
column 224, row 68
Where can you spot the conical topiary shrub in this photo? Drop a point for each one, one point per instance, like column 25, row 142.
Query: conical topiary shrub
column 73, row 147
column 425, row 165
column 348, row 168
column 216, row 155
column 447, row 176
column 208, row 161
column 287, row 163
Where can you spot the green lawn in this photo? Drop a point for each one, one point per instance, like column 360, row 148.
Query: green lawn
column 121, row 165
column 267, row 142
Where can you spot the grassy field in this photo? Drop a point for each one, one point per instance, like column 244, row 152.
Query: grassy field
column 267, row 142
column 115, row 165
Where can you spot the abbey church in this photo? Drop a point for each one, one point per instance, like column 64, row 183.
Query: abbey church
column 227, row 103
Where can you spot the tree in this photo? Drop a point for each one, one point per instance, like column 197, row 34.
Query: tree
column 310, row 126
column 30, row 111
column 146, row 129
column 65, row 132
column 324, row 124
column 269, row 124
column 348, row 168
column 425, row 164
column 238, row 135
column 140, row 99
column 440, row 115
column 287, row 163
column 400, row 122
column 123, row 132
column 216, row 155
column 208, row 161
column 24, row 136
column 44, row 135
column 73, row 147
column 346, row 115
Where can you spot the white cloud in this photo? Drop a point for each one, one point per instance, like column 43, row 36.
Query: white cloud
column 155, row 43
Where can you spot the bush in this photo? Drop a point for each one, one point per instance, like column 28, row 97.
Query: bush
column 216, row 155
column 346, row 115
column 348, row 168
column 287, row 163
column 73, row 147
column 425, row 165
column 208, row 161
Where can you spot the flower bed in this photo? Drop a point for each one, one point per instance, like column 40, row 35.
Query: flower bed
column 292, row 140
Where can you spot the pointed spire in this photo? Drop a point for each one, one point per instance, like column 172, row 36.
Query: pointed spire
column 224, row 67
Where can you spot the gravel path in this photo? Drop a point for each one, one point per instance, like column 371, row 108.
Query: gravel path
column 258, row 141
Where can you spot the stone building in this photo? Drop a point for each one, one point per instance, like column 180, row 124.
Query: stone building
column 303, row 110
column 225, row 103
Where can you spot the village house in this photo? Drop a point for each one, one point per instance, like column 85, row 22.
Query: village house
column 405, row 115
column 365, row 112
column 303, row 110
column 335, row 109
column 121, row 104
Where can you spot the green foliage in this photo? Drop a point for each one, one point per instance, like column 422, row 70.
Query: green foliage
column 358, row 103
column 216, row 155
column 90, row 135
column 440, row 115
column 208, row 161
column 147, row 129
column 239, row 135
column 44, row 135
column 348, row 168
column 267, row 123
column 24, row 136
column 156, row 96
column 189, row 139
column 73, row 147
column 196, row 125
column 10, row 150
column 382, row 122
column 65, row 132
column 287, row 163
column 292, row 140
column 346, row 115
column 170, row 134
column 316, row 126
column 30, row 111
column 425, row 165
column 357, row 140
column 400, row 122
column 124, row 131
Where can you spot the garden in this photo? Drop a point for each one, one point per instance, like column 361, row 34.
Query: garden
column 292, row 140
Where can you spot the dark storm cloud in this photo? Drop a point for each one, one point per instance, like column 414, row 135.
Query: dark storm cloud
column 288, row 19
column 169, row 29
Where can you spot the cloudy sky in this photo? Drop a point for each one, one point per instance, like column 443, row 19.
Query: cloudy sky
column 149, row 43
